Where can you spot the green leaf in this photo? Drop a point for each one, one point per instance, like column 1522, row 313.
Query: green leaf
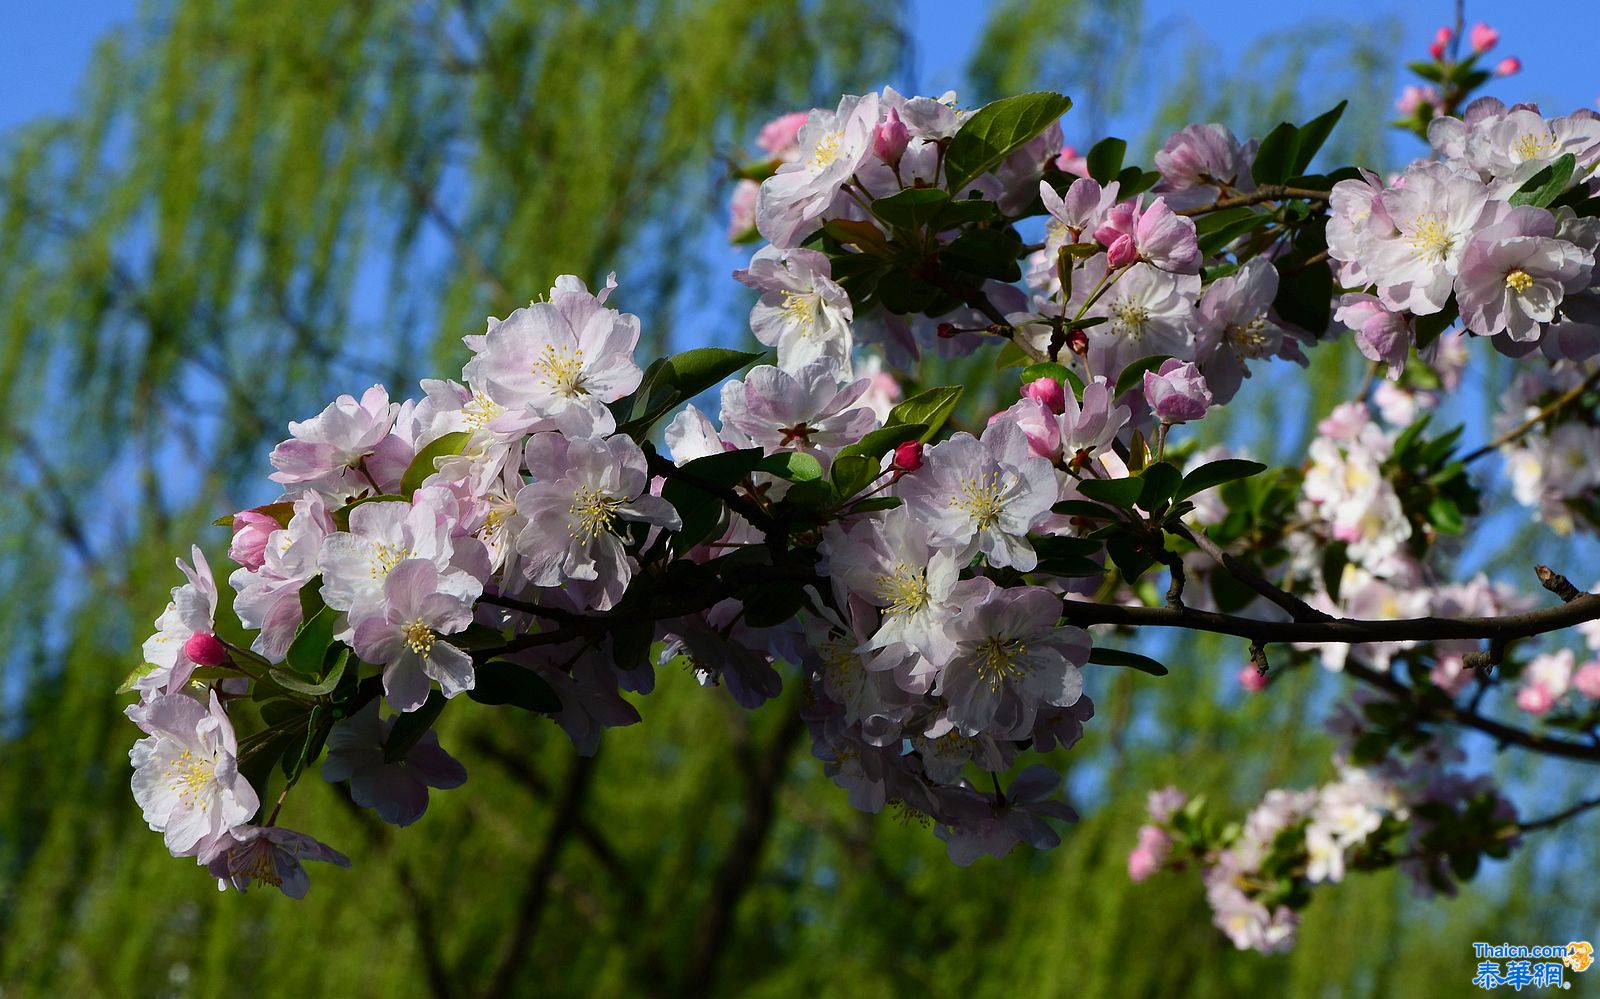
column 1215, row 473
column 1132, row 376
column 341, row 516
column 501, row 682
column 792, row 465
column 1548, row 184
column 913, row 208
column 997, row 130
column 1160, row 479
column 139, row 672
column 423, row 465
column 930, row 408
column 311, row 643
column 1105, row 159
column 1083, row 508
column 316, row 733
column 1132, row 181
column 410, row 727
column 326, row 685
column 1235, row 222
column 1275, row 158
column 699, row 509
column 984, row 253
column 281, row 512
column 874, row 504
column 1429, row 327
column 1312, row 135
column 1122, row 493
column 1445, row 515
column 767, row 605
column 880, row 442
column 1131, row 559
column 1102, row 656
column 852, row 473
column 963, row 211
column 1305, row 293
column 694, row 371
column 858, row 233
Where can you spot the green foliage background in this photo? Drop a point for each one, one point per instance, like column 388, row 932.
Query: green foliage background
column 260, row 205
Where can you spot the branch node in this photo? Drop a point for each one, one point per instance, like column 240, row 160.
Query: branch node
column 1556, row 583
column 1258, row 658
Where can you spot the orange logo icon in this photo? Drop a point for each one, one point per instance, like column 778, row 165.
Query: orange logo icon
column 1580, row 954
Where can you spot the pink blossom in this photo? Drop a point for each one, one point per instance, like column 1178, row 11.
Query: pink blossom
column 1177, row 392
column 205, row 649
column 1048, row 392
column 1508, row 66
column 251, row 529
column 1414, row 97
column 742, row 210
column 1122, row 252
column 908, row 456
column 1587, row 680
column 781, row 135
column 1483, row 37
column 1515, row 273
column 1146, row 859
column 1164, row 238
column 1071, row 161
column 890, row 139
column 1197, row 158
column 1381, row 335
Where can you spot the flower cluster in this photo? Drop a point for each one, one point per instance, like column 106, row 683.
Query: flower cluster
column 922, row 567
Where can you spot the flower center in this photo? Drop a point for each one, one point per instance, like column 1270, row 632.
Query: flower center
column 1430, row 240
column 841, row 665
column 1129, row 318
column 481, row 410
column 562, row 370
column 188, row 775
column 591, row 513
column 904, row 591
column 999, row 661
column 1248, row 340
column 1532, row 146
column 255, row 863
column 388, row 556
column 419, row 637
column 827, row 150
column 980, row 499
column 1519, row 281
column 801, row 310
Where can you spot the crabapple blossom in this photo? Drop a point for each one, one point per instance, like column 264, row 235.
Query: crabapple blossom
column 802, row 312
column 1162, row 238
column 327, row 451
column 801, row 410
column 1514, row 274
column 189, row 615
column 269, row 855
column 1432, row 216
column 1177, row 392
column 186, row 771
column 833, row 146
column 396, row 789
column 405, row 634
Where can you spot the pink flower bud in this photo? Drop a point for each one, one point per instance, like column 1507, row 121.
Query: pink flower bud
column 1252, row 679
column 251, row 529
column 1120, row 221
column 1508, row 66
column 947, row 331
column 1147, row 858
column 1122, row 252
column 908, row 456
column 1443, row 36
column 890, row 140
column 1047, row 391
column 204, row 649
column 1177, row 392
column 1437, row 51
column 1587, row 680
column 1483, row 37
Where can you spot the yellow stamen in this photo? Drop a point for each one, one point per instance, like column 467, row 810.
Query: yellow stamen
column 1519, row 281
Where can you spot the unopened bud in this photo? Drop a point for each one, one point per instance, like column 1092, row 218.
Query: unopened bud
column 891, row 138
column 1047, row 391
column 205, row 649
column 1483, row 37
column 1078, row 342
column 1121, row 252
column 908, row 456
column 1508, row 66
column 947, row 331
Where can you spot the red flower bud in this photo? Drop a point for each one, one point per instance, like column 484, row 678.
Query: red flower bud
column 908, row 456
column 1047, row 391
column 204, row 649
column 947, row 331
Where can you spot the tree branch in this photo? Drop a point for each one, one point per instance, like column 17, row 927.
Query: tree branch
column 1267, row 192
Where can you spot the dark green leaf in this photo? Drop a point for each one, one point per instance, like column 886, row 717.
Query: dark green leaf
column 311, row 643
column 410, row 727
column 1102, row 656
column 1132, row 376
column 1083, row 508
column 1430, row 327
column 770, row 604
column 326, row 685
column 984, row 253
column 997, row 130
column 1122, row 493
column 1215, row 473
column 880, row 442
column 875, row 504
column 1276, row 156
column 1132, row 181
column 1312, row 135
column 1548, row 184
column 501, row 682
column 1105, row 159
column 1160, row 479
column 912, row 208
column 696, row 370
column 1305, row 293
column 852, row 473
column 929, row 408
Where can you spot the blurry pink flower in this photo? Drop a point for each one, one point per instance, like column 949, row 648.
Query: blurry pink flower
column 1073, row 162
column 251, row 528
column 1177, row 392
column 1483, row 37
column 1508, row 66
column 781, row 136
column 1147, row 858
column 1587, row 680
column 891, row 138
column 1047, row 391
column 1252, row 679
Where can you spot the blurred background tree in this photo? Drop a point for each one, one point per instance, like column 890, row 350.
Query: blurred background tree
column 256, row 206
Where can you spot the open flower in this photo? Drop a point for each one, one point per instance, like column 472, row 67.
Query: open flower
column 269, row 855
column 833, row 146
column 803, row 410
column 396, row 789
column 326, row 452
column 186, row 773
column 1514, row 273
column 802, row 312
column 190, row 613
column 405, row 635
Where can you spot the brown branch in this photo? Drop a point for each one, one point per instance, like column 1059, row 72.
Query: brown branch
column 537, row 890
column 1559, row 403
column 735, row 876
column 1296, row 608
column 1267, row 192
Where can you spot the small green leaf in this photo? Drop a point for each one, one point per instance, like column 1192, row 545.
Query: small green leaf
column 1548, row 184
column 1105, row 159
column 1102, row 656
column 423, row 465
column 290, row 681
column 852, row 473
column 1215, row 473
column 997, row 130
column 1132, row 376
column 1275, row 157
column 930, row 408
column 1429, row 327
column 1122, row 493
column 984, row 253
column 913, row 208
column 1312, row 135
column 696, row 370
column 501, row 682
column 1160, row 479
column 139, row 673
column 311, row 643
column 795, row 466
column 880, row 442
